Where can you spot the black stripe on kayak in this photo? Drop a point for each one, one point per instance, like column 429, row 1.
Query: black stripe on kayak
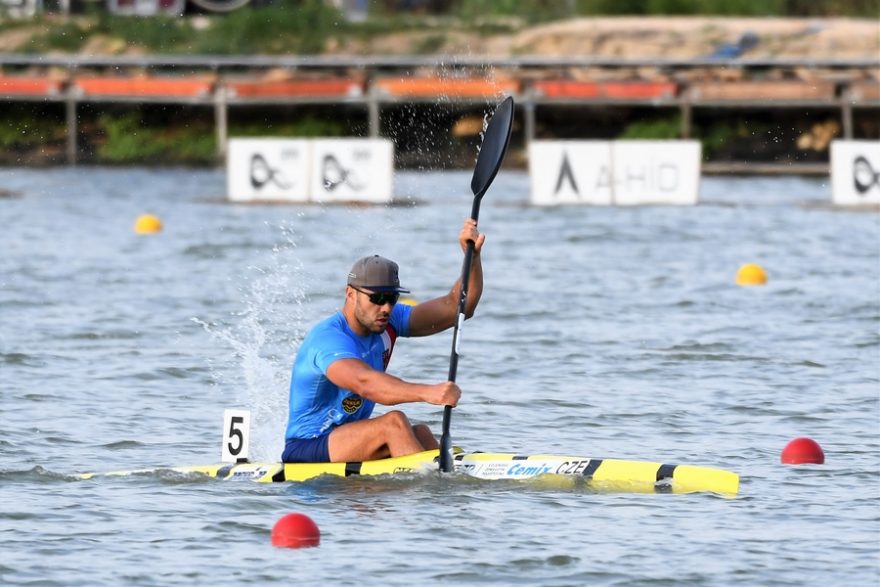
column 665, row 472
column 519, row 458
column 664, row 478
column 352, row 469
column 591, row 468
column 279, row 477
column 224, row 471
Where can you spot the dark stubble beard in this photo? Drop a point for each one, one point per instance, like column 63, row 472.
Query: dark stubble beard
column 361, row 316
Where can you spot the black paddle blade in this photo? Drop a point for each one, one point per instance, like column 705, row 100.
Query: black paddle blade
column 494, row 147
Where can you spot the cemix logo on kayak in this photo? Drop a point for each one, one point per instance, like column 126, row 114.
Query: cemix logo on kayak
column 248, row 473
column 565, row 468
column 518, row 470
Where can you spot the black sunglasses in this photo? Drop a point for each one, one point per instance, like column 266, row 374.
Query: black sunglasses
column 380, row 298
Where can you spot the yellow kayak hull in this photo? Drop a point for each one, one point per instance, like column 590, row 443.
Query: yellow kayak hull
column 599, row 474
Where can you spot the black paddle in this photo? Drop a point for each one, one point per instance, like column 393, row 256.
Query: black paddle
column 488, row 162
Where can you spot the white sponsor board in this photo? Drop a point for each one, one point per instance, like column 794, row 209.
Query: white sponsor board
column 570, row 172
column 352, row 170
column 855, row 173
column 656, row 172
column 310, row 170
column 268, row 170
column 624, row 173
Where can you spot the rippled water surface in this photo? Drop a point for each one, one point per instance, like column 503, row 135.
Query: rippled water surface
column 603, row 332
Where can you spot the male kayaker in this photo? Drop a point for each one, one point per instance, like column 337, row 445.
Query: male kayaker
column 339, row 370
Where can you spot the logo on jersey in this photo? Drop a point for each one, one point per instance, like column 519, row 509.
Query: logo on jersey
column 352, row 404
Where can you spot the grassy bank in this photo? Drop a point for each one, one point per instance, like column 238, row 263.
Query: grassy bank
column 313, row 26
column 113, row 134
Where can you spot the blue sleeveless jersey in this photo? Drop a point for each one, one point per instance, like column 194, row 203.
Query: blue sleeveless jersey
column 317, row 405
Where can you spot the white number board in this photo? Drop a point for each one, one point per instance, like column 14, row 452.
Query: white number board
column 855, row 173
column 352, row 170
column 268, row 170
column 624, row 173
column 236, row 436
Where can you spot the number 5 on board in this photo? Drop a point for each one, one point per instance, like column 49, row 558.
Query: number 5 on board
column 236, row 436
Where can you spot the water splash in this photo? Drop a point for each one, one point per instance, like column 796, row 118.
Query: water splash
column 486, row 119
column 423, row 134
column 264, row 337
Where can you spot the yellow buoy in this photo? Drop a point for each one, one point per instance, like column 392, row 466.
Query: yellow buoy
column 751, row 274
column 147, row 224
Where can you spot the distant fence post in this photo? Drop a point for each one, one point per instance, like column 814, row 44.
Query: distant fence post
column 847, row 116
column 221, row 113
column 373, row 113
column 529, row 107
column 70, row 108
column 686, row 116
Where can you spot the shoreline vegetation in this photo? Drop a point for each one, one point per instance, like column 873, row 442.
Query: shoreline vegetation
column 33, row 133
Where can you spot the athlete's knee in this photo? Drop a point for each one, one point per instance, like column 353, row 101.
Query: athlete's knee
column 397, row 419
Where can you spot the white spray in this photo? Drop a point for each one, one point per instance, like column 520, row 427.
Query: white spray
column 264, row 337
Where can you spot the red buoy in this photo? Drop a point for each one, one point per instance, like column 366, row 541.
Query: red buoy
column 295, row 531
column 802, row 450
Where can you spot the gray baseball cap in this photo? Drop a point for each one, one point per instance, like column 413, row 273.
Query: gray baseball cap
column 375, row 273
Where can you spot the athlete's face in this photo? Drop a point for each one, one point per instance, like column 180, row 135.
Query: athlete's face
column 372, row 309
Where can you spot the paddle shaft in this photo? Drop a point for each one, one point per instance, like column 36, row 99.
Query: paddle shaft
column 446, row 440
column 495, row 141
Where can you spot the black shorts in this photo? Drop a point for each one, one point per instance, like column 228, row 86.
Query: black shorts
column 307, row 450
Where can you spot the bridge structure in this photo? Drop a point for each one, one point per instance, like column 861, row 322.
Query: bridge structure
column 844, row 88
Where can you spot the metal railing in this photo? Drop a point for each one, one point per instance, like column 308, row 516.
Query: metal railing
column 367, row 62
column 370, row 68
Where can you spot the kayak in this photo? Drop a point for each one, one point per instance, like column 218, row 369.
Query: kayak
column 598, row 474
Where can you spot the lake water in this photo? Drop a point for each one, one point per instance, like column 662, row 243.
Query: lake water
column 603, row 332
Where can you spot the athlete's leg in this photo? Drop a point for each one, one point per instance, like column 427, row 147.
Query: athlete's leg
column 389, row 435
column 426, row 437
